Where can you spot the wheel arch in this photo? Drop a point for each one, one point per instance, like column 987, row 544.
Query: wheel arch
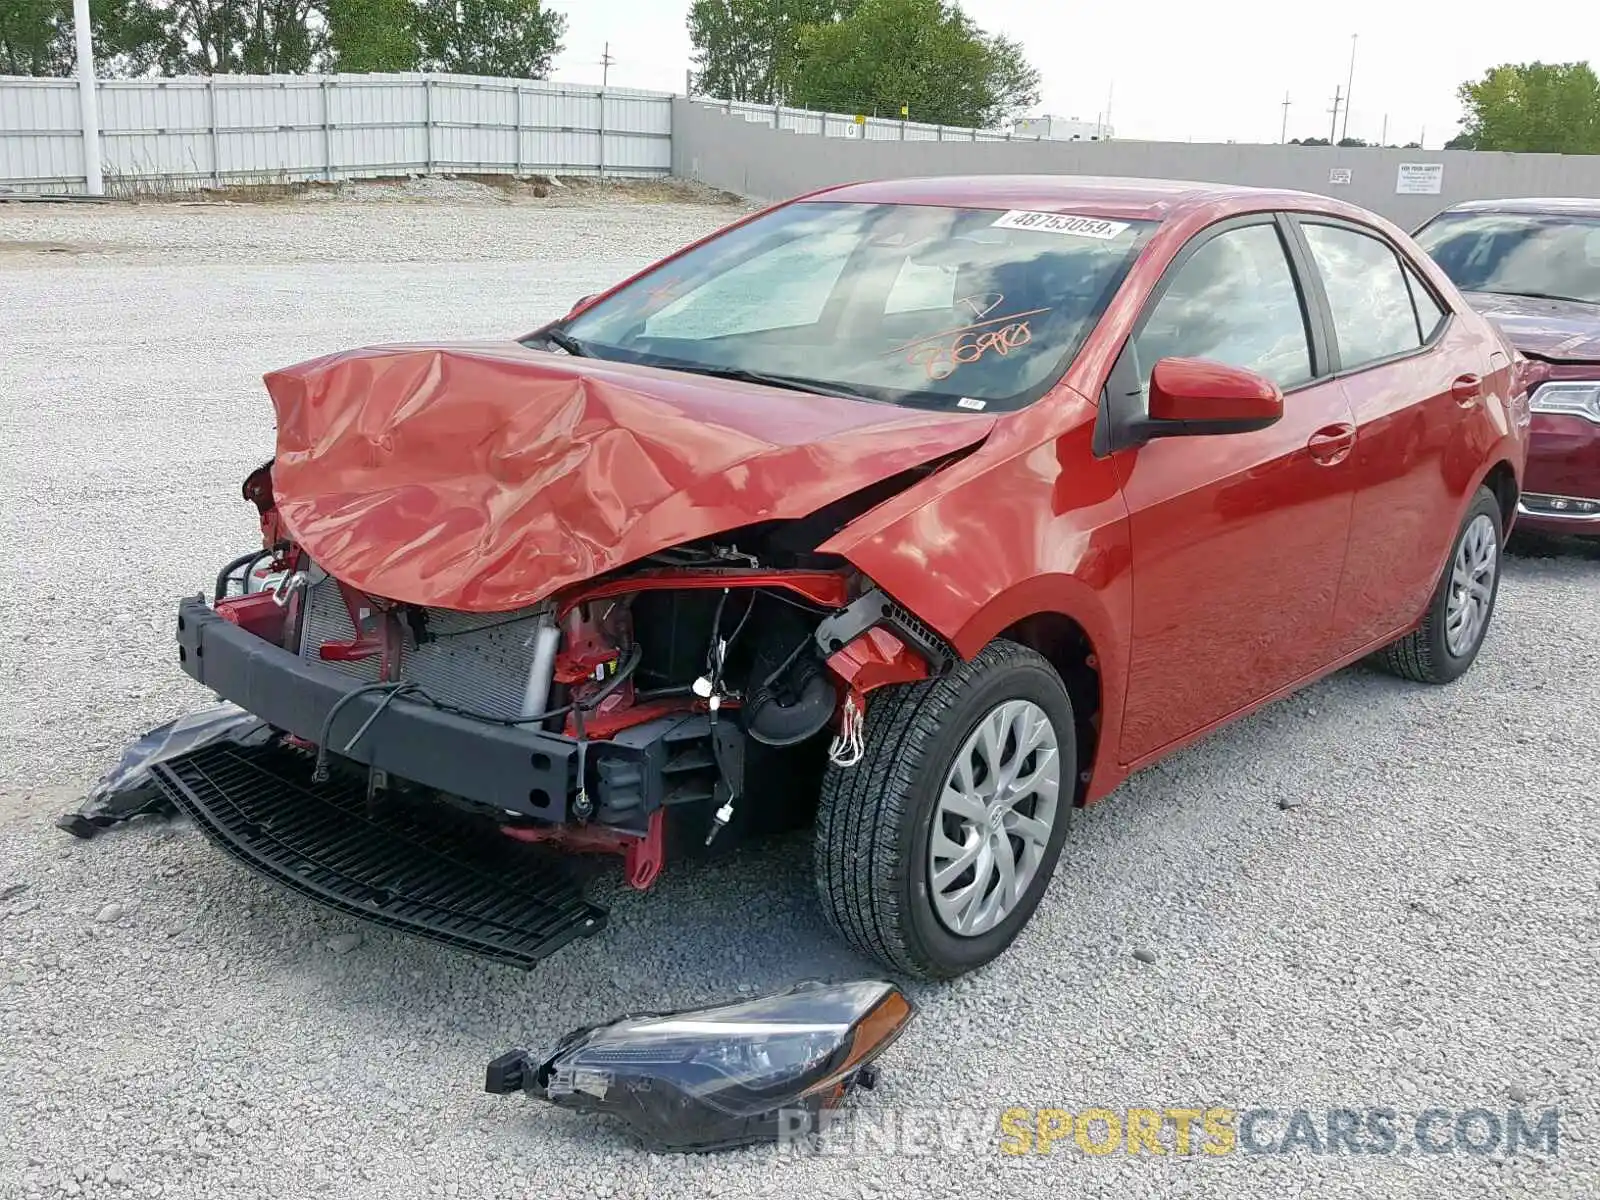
column 1501, row 479
column 1082, row 629
column 1066, row 645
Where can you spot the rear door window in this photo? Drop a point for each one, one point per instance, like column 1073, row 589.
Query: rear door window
column 1368, row 295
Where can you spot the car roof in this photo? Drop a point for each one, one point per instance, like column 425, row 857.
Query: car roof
column 1570, row 206
column 1103, row 196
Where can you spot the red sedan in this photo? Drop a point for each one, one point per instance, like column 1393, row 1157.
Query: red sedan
column 924, row 511
column 1533, row 267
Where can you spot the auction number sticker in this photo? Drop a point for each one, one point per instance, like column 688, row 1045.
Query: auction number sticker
column 1067, row 223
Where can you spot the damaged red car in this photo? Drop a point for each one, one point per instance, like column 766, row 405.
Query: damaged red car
column 1533, row 268
column 919, row 512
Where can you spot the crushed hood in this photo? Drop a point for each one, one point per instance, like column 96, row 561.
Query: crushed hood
column 487, row 477
column 1559, row 329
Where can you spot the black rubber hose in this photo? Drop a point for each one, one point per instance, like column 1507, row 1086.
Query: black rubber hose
column 716, row 633
column 624, row 670
column 319, row 773
column 664, row 693
column 786, row 663
column 244, row 560
column 748, row 608
column 375, row 714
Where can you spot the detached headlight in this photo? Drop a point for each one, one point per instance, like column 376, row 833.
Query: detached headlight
column 706, row 1079
column 1568, row 399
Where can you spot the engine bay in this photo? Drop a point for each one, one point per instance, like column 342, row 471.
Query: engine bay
column 675, row 679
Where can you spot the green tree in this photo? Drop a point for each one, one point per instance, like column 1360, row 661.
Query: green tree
column 372, row 35
column 748, row 49
column 510, row 38
column 1013, row 81
column 924, row 55
column 238, row 37
column 36, row 37
column 1538, row 107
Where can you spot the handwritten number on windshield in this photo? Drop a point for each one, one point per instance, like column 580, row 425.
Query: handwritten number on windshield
column 941, row 354
column 940, row 359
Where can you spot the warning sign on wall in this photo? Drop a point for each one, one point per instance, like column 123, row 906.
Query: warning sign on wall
column 1419, row 179
column 1339, row 175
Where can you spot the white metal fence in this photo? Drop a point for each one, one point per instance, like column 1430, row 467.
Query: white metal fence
column 259, row 128
column 845, row 125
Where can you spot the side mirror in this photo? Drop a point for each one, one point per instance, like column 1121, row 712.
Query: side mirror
column 1190, row 396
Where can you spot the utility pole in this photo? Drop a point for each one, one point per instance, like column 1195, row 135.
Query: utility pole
column 1348, row 87
column 605, row 66
column 1383, row 138
column 1111, row 90
column 88, row 99
column 1333, row 126
column 1283, row 134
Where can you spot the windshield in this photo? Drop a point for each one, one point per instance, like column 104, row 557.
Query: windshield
column 1518, row 254
column 907, row 304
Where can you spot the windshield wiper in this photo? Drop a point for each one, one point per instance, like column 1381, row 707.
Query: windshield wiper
column 1543, row 296
column 563, row 339
column 793, row 383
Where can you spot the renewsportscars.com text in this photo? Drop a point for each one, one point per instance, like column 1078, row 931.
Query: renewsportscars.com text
column 1198, row 1131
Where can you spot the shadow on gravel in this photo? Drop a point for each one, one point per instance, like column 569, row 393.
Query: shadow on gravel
column 742, row 924
column 1526, row 544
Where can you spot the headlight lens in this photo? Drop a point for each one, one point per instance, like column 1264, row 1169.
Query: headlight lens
column 1568, row 399
column 718, row 1076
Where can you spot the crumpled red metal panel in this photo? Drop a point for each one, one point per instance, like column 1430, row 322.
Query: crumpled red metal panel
column 486, row 477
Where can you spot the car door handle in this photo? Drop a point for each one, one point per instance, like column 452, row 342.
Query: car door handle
column 1332, row 444
column 1467, row 390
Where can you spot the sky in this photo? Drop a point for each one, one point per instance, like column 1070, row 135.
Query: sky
column 1177, row 71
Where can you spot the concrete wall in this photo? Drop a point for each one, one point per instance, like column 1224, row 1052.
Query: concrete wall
column 850, row 125
column 767, row 164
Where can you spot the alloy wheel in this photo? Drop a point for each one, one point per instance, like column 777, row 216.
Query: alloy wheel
column 1472, row 578
column 994, row 817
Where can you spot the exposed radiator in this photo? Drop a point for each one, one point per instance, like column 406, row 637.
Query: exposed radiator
column 478, row 661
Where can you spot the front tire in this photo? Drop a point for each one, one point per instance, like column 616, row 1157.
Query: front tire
column 933, row 851
column 1447, row 642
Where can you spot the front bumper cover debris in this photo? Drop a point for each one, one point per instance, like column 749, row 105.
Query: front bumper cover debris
column 130, row 789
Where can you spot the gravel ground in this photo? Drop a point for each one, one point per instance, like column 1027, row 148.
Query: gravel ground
column 1417, row 927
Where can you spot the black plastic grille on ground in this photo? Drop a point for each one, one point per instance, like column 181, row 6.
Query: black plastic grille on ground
column 261, row 807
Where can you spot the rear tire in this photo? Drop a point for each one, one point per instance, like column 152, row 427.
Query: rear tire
column 1447, row 642
column 974, row 771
